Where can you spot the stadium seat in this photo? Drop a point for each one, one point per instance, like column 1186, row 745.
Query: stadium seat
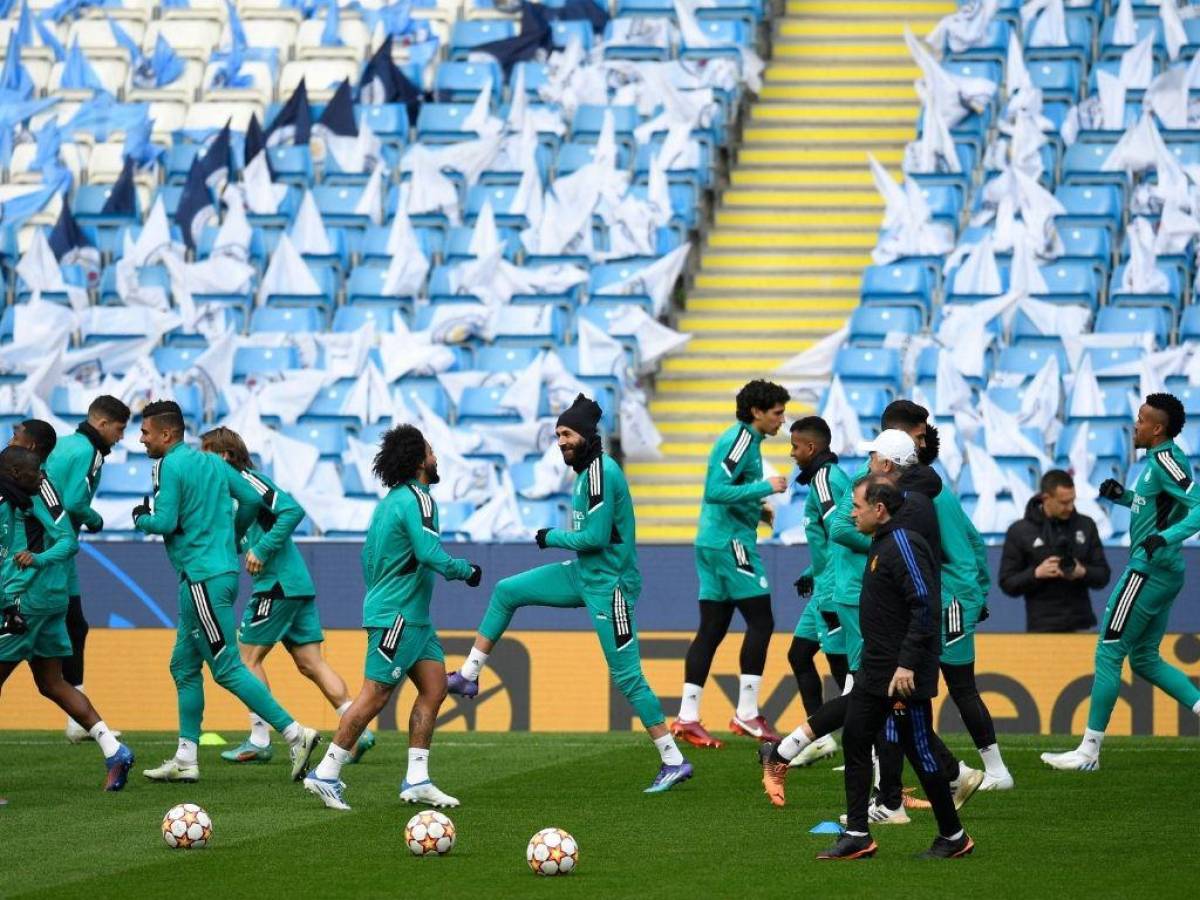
column 328, row 437
column 871, row 324
column 131, row 478
column 252, row 361
column 875, row 364
column 287, row 320
column 1136, row 320
column 900, row 282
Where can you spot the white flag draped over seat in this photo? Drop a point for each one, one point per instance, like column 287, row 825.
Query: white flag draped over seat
column 262, row 195
column 1086, row 494
column 369, row 399
column 550, row 476
column 1142, row 275
column 958, row 95
column 40, row 271
column 1174, row 34
column 407, row 352
column 287, row 273
column 1002, row 435
column 499, row 518
column 233, row 237
column 1041, row 400
column 964, row 28
column 654, row 281
column 308, row 232
column 842, row 419
column 1050, row 30
column 153, row 242
column 817, row 360
column 293, row 461
column 655, row 340
column 979, row 273
column 640, row 439
column 599, row 352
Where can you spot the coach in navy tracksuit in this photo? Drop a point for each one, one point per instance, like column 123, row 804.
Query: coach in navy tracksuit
column 900, row 615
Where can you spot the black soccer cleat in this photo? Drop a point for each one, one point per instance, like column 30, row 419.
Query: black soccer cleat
column 944, row 848
column 851, row 846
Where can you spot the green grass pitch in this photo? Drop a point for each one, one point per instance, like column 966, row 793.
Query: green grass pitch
column 1121, row 831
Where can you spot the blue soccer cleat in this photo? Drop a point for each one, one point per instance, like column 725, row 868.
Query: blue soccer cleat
column 457, row 683
column 669, row 776
column 248, row 752
column 118, row 765
column 331, row 791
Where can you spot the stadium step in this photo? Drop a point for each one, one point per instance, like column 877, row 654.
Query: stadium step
column 781, row 267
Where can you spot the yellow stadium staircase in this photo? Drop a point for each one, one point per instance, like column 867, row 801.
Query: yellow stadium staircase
column 793, row 231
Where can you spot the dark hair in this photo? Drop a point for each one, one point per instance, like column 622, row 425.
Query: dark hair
column 19, row 458
column 1055, row 479
column 1169, row 405
column 227, row 443
column 108, row 407
column 903, row 415
column 167, row 412
column 883, row 490
column 401, row 453
column 759, row 394
column 43, row 436
column 813, row 425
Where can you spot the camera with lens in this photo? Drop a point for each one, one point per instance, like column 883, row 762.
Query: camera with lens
column 1066, row 557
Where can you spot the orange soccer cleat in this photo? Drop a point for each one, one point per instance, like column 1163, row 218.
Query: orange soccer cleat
column 694, row 733
column 775, row 769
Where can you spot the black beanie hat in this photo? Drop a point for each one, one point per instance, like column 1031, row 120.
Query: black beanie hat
column 582, row 416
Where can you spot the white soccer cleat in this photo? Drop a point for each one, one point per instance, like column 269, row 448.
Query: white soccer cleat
column 878, row 814
column 1072, row 761
column 428, row 793
column 75, row 732
column 331, row 791
column 994, row 783
column 302, row 752
column 821, row 748
column 171, row 770
column 968, row 783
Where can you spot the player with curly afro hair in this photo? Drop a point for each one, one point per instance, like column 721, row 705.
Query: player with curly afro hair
column 403, row 453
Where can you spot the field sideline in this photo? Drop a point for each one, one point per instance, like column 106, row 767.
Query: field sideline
column 1122, row 830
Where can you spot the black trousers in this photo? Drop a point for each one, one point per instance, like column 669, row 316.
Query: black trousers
column 77, row 630
column 908, row 723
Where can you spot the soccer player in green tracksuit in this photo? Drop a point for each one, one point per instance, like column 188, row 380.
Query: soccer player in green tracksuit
column 74, row 467
column 1165, row 510
column 965, row 584
column 819, row 626
column 36, row 537
column 282, row 608
column 193, row 513
column 402, row 554
column 604, row 579
column 728, row 566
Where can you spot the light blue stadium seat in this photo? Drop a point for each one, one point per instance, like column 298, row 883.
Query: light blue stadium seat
column 470, row 33
column 1104, row 358
column 452, row 516
column 1144, row 24
column 878, row 364
column 1114, row 399
column 1083, row 163
column 441, row 123
column 945, row 201
column 868, row 401
column 352, row 486
column 428, row 390
column 574, row 156
column 366, row 285
column 871, row 324
column 361, row 313
column 373, row 244
column 303, row 319
column 389, row 121
column 1028, row 357
column 176, row 359
column 1189, row 327
column 284, row 215
column 1008, row 399
column 89, row 200
column 1025, row 470
column 291, row 164
column 535, row 76
column 1172, row 297
column 328, row 437
column 551, row 330
column 1105, row 440
column 1099, row 204
column 462, row 82
column 328, row 402
column 249, row 361
column 1135, row 319
column 605, row 274
column 337, row 203
column 562, row 32
column 727, row 37
column 1080, row 30
column 907, row 282
column 589, row 119
column 133, row 477
column 1087, row 242
column 1069, row 281
column 1190, row 398
column 501, row 198
column 327, row 278
column 481, row 406
column 1058, row 79
column 373, row 434
column 629, row 47
column 257, row 249
column 505, row 359
column 993, row 44
column 538, row 514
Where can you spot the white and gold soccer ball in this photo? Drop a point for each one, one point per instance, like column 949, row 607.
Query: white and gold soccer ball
column 429, row 833
column 187, row 827
column 552, row 851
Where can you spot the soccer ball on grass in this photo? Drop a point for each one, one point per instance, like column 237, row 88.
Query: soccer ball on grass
column 552, row 851
column 429, row 833
column 187, row 827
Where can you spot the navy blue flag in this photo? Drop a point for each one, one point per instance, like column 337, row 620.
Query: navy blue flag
column 123, row 199
column 195, row 205
column 338, row 116
column 294, row 122
column 214, row 166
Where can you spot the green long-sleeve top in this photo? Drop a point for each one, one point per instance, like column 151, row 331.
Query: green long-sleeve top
column 733, row 489
column 603, row 532
column 826, row 489
column 853, row 545
column 45, row 531
column 74, row 468
column 402, row 552
column 193, row 513
column 1164, row 501
column 269, row 537
column 965, row 575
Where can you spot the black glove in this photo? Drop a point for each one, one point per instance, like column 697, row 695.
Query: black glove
column 142, row 509
column 804, row 586
column 984, row 614
column 1152, row 543
column 1111, row 489
column 473, row 578
column 92, row 529
column 541, row 537
column 13, row 622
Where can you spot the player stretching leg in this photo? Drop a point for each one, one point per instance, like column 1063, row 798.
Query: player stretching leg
column 193, row 513
column 37, row 538
column 282, row 608
column 74, row 467
column 1165, row 511
column 402, row 553
column 604, row 579
column 728, row 565
column 819, row 627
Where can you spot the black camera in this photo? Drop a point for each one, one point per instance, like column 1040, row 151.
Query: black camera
column 1066, row 557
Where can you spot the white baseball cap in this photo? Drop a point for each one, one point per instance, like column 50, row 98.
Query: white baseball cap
column 895, row 445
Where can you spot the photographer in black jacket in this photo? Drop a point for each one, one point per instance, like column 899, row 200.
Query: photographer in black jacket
column 1053, row 557
column 900, row 615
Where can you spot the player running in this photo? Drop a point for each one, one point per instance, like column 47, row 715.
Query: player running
column 74, row 467
column 604, row 579
column 282, row 608
column 37, row 538
column 728, row 565
column 1165, row 511
column 819, row 627
column 402, row 553
column 193, row 513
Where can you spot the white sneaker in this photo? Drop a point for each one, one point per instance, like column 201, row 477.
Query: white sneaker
column 330, row 791
column 968, row 783
column 76, row 733
column 302, row 752
column 1072, row 761
column 821, row 748
column 878, row 814
column 171, row 770
column 426, row 792
column 997, row 783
